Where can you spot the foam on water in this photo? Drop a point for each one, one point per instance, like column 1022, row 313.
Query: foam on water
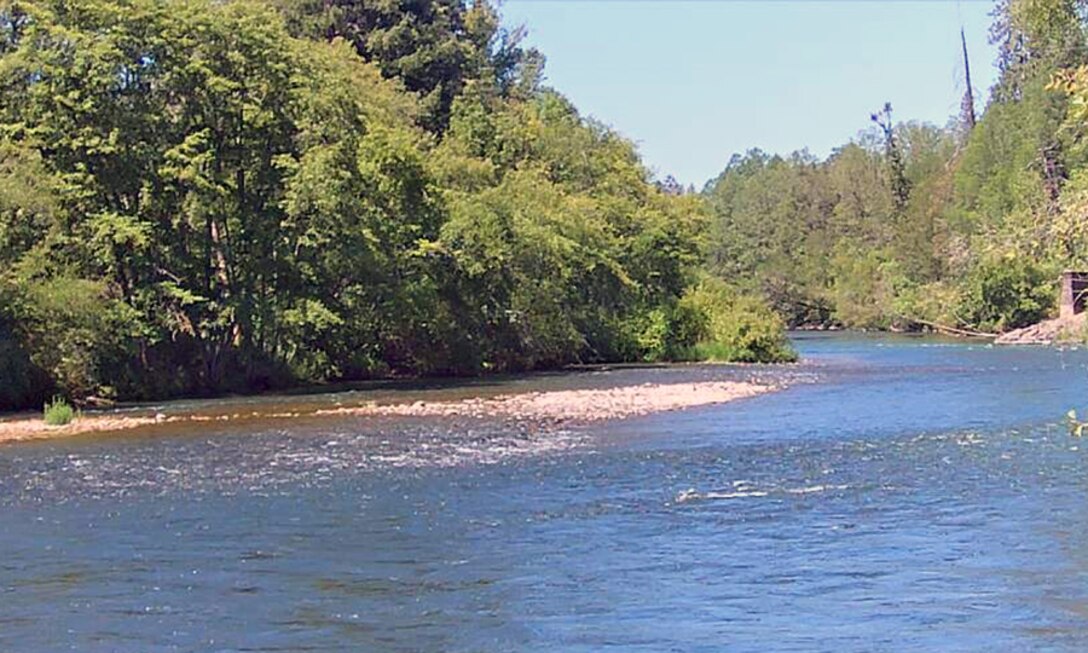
column 261, row 461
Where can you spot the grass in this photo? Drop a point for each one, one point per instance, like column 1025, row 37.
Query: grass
column 58, row 412
column 720, row 352
column 713, row 351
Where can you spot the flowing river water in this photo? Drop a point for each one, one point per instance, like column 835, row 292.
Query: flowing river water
column 903, row 494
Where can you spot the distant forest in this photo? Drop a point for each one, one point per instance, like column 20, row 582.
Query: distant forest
column 201, row 197
column 966, row 225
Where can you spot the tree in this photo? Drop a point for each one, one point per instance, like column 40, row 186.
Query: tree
column 194, row 201
column 897, row 174
column 434, row 47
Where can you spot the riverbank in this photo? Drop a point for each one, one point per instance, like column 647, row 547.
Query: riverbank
column 1061, row 330
column 540, row 409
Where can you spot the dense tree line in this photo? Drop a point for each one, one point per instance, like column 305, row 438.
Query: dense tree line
column 202, row 196
column 966, row 225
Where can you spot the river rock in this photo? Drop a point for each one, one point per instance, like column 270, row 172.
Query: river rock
column 1047, row 332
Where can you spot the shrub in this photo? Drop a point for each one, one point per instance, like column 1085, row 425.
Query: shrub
column 1007, row 292
column 736, row 328
column 661, row 333
column 58, row 412
column 936, row 302
column 23, row 383
column 77, row 332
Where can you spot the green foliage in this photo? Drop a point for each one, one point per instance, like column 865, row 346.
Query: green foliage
column 824, row 241
column 1007, row 292
column 937, row 302
column 22, row 383
column 999, row 182
column 58, row 412
column 435, row 48
column 663, row 333
column 909, row 225
column 204, row 196
column 735, row 327
column 75, row 332
column 862, row 289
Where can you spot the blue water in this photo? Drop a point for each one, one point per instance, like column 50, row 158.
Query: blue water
column 903, row 494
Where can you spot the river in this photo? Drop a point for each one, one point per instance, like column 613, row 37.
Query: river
column 903, row 494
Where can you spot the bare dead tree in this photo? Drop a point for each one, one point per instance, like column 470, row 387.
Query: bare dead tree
column 968, row 105
column 897, row 168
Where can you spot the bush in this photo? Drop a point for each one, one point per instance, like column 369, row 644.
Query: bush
column 736, row 328
column 936, row 302
column 58, row 412
column 665, row 332
column 77, row 332
column 1007, row 292
column 22, row 383
column 865, row 285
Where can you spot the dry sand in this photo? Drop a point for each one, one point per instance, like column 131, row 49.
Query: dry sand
column 539, row 408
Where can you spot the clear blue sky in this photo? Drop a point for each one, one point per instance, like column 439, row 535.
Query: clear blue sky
column 692, row 82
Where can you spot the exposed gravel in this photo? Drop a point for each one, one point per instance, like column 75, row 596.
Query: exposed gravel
column 538, row 409
column 563, row 406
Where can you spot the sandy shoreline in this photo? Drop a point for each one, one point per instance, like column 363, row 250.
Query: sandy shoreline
column 546, row 408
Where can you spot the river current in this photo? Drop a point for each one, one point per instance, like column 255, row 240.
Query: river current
column 902, row 494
